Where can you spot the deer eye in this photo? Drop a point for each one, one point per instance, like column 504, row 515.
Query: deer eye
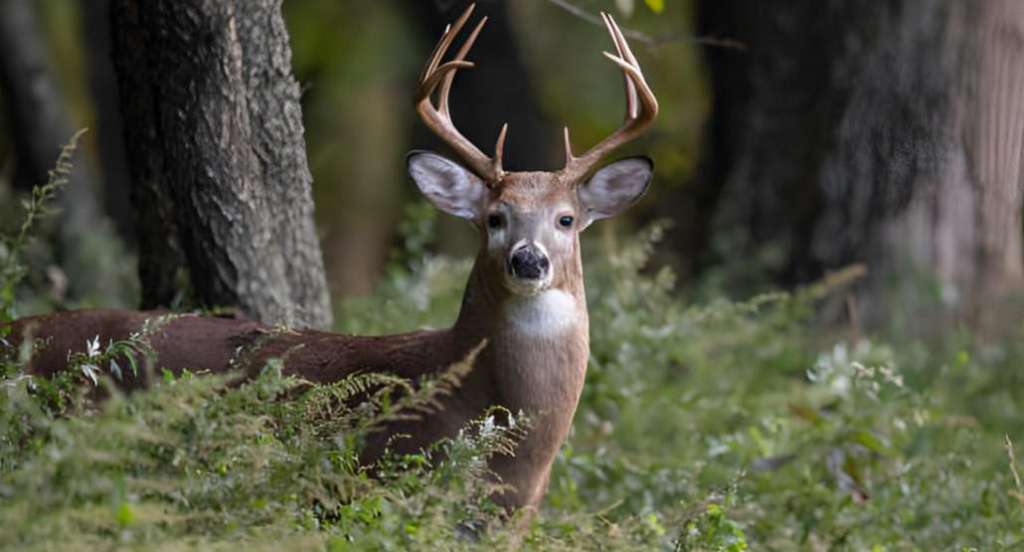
column 494, row 221
column 565, row 221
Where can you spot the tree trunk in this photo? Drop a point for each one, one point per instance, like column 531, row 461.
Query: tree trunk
column 890, row 136
column 39, row 121
column 216, row 149
column 41, row 126
column 109, row 131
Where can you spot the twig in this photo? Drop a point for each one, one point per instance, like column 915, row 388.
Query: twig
column 1019, row 492
column 646, row 39
column 852, row 311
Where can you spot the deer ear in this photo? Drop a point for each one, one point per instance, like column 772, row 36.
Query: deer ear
column 614, row 188
column 448, row 185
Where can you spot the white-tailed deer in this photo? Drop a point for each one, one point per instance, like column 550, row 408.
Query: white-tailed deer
column 524, row 299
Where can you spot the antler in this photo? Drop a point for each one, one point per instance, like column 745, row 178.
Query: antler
column 439, row 119
column 639, row 115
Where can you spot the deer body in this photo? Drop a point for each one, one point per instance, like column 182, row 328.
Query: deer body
column 534, row 362
column 524, row 300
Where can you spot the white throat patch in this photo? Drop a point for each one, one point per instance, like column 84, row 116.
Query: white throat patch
column 552, row 313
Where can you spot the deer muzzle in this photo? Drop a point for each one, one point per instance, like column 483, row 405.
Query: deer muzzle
column 529, row 262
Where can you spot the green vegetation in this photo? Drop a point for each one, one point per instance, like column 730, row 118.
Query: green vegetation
column 13, row 268
column 717, row 426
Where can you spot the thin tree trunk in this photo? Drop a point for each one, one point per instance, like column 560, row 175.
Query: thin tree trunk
column 358, row 128
column 41, row 126
column 996, row 136
column 214, row 119
column 889, row 136
column 39, row 121
column 364, row 204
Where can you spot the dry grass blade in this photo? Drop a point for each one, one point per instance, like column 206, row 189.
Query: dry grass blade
column 1017, row 493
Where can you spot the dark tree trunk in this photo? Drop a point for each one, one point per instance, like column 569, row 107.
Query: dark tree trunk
column 162, row 265
column 216, row 149
column 890, row 136
column 35, row 105
column 109, row 131
column 40, row 127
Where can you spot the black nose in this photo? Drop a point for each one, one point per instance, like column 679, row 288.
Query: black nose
column 528, row 263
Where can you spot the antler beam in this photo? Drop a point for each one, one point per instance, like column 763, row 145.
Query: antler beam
column 439, row 118
column 641, row 108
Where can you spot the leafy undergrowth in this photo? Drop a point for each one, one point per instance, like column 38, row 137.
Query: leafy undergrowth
column 718, row 426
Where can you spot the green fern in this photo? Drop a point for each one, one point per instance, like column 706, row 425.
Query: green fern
column 36, row 207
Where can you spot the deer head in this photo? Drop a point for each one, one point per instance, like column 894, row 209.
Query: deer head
column 529, row 222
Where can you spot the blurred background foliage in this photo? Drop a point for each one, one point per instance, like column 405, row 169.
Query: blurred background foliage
column 357, row 63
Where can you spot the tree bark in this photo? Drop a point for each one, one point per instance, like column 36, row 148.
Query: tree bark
column 216, row 150
column 162, row 265
column 890, row 136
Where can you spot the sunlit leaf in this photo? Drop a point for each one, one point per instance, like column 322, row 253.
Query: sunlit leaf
column 869, row 441
column 657, row 6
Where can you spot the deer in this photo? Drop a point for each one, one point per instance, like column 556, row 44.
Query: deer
column 523, row 311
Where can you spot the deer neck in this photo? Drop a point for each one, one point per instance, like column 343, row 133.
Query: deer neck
column 534, row 363
column 538, row 345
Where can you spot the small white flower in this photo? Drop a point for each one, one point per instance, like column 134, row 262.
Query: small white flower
column 92, row 372
column 488, row 428
column 93, row 347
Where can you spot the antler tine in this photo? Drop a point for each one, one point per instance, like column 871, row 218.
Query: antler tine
column 450, row 31
column 641, row 109
column 499, row 149
column 625, row 53
column 446, row 84
column 438, row 118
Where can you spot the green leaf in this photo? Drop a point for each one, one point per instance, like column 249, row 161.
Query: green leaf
column 657, row 6
column 125, row 514
column 870, row 442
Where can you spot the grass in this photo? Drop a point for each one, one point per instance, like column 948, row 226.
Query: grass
column 717, row 426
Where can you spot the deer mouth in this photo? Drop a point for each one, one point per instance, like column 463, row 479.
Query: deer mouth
column 525, row 287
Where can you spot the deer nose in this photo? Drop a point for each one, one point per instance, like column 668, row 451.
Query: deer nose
column 529, row 263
